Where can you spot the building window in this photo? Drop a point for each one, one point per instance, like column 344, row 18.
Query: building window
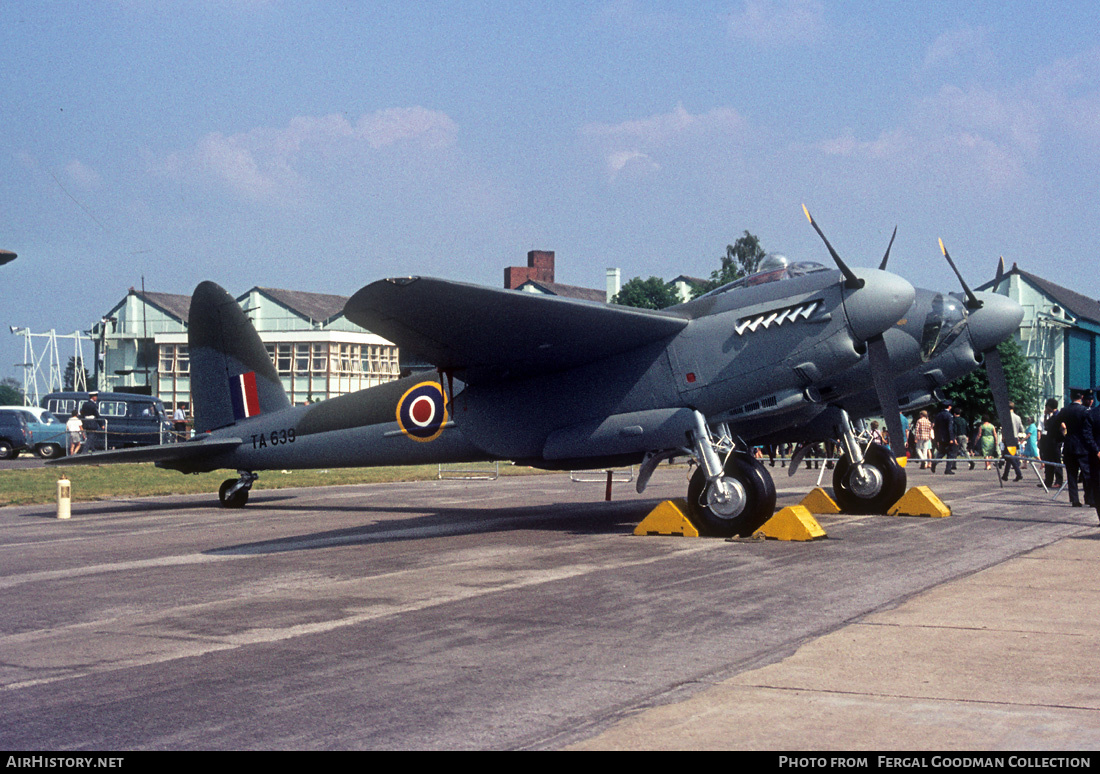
column 320, row 359
column 175, row 359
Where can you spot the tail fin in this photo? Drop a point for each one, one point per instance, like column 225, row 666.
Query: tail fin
column 232, row 376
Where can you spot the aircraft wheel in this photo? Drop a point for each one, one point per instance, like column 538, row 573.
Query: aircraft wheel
column 752, row 500
column 237, row 499
column 881, row 485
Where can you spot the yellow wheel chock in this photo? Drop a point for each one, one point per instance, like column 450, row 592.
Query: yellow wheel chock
column 818, row 501
column 668, row 518
column 792, row 523
column 920, row 501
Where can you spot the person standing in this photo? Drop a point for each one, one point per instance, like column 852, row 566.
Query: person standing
column 1013, row 435
column 1050, row 445
column 1075, row 449
column 922, row 436
column 962, row 434
column 943, row 430
column 1092, row 439
column 1031, row 445
column 75, row 428
column 987, row 440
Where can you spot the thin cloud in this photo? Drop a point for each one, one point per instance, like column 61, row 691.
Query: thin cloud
column 774, row 23
column 264, row 164
column 638, row 144
column 964, row 48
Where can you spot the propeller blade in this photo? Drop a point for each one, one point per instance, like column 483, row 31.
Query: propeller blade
column 972, row 301
column 998, row 385
column 887, row 393
column 885, row 258
column 851, row 280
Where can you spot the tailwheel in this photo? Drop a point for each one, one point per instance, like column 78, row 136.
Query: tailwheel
column 748, row 502
column 869, row 488
column 233, row 493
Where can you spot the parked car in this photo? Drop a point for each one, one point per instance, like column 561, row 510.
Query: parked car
column 15, row 436
column 48, row 438
column 114, row 419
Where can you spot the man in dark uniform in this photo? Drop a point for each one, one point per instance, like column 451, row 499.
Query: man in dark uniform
column 962, row 433
column 943, row 429
column 1092, row 433
column 1075, row 449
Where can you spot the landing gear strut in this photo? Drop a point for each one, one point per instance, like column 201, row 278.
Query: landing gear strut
column 234, row 493
column 734, row 498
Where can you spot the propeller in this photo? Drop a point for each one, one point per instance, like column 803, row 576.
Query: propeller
column 850, row 278
column 994, row 368
column 972, row 301
column 885, row 258
column 878, row 355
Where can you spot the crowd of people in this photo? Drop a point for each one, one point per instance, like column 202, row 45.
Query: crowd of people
column 1066, row 439
column 949, row 436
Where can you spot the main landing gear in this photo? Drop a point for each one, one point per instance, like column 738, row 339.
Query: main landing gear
column 864, row 480
column 234, row 493
column 870, row 487
column 731, row 498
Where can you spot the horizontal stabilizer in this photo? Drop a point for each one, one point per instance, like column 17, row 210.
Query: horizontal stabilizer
column 485, row 331
column 164, row 453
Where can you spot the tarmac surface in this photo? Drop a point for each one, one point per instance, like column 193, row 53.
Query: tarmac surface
column 524, row 614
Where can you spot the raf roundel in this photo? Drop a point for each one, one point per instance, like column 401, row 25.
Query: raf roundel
column 422, row 412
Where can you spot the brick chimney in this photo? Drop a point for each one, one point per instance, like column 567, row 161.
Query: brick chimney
column 540, row 268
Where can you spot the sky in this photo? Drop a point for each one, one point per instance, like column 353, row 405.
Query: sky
column 320, row 146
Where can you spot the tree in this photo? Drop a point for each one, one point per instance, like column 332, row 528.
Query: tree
column 653, row 293
column 742, row 258
column 11, row 392
column 972, row 393
column 69, row 379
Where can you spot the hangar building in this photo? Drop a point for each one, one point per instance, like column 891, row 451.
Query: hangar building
column 1059, row 335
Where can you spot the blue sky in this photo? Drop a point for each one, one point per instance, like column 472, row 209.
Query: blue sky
column 321, row 145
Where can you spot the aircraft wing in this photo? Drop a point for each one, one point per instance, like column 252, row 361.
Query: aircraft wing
column 167, row 452
column 486, row 331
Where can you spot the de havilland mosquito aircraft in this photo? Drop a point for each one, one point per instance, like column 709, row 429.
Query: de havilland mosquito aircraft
column 545, row 381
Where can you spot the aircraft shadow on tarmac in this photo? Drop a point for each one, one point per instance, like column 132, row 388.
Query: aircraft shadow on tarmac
column 571, row 518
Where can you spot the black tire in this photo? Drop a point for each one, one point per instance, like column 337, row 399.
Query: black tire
column 237, row 499
column 755, row 502
column 49, row 451
column 7, row 450
column 883, row 488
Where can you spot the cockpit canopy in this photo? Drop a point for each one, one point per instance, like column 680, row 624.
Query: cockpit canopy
column 773, row 268
column 945, row 320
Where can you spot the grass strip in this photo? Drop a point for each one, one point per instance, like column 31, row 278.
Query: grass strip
column 38, row 486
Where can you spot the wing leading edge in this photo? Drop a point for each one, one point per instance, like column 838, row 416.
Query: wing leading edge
column 501, row 333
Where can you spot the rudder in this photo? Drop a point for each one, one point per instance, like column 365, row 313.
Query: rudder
column 232, row 376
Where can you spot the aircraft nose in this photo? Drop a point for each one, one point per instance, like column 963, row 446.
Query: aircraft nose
column 997, row 319
column 882, row 301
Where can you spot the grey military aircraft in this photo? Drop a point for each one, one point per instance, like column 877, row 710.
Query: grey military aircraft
column 545, row 381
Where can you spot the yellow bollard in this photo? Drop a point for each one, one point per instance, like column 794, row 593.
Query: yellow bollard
column 64, row 498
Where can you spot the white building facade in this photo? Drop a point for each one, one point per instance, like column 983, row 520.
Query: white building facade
column 141, row 346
